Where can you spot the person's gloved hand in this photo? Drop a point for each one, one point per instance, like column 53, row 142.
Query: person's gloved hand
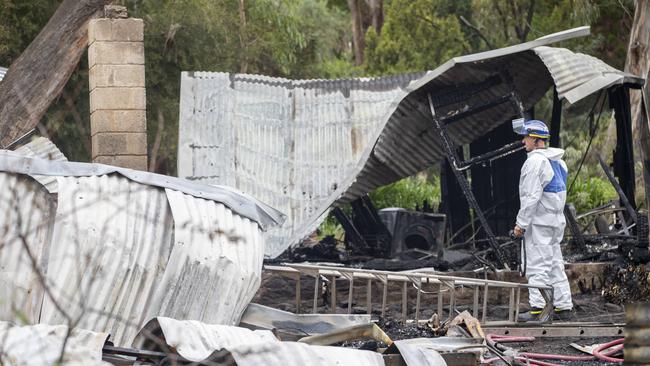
column 519, row 232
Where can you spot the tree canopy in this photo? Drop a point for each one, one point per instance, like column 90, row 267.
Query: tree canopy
column 304, row 39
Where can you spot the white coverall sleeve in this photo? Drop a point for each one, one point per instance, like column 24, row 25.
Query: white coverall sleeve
column 531, row 187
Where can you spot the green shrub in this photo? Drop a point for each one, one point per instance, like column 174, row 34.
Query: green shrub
column 407, row 193
column 331, row 227
column 591, row 192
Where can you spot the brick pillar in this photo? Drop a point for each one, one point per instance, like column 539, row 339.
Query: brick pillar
column 118, row 120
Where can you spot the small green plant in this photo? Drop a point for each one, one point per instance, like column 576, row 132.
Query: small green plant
column 591, row 192
column 408, row 193
column 331, row 227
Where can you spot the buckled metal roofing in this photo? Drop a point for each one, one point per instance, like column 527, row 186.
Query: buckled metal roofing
column 43, row 148
column 305, row 145
column 26, row 218
column 193, row 340
column 199, row 342
column 241, row 203
column 119, row 252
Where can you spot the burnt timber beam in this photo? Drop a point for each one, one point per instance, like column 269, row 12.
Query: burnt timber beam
column 348, row 226
column 446, row 120
column 453, row 161
column 621, row 194
column 556, row 120
column 491, row 155
column 619, row 99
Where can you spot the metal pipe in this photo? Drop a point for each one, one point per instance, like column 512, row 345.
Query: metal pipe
column 492, row 155
column 462, row 181
column 511, row 339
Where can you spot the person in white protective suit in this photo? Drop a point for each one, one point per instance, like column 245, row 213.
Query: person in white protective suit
column 542, row 195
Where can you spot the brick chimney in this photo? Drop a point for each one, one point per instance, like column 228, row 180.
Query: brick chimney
column 118, row 121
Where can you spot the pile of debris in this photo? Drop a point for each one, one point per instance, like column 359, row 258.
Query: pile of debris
column 330, row 340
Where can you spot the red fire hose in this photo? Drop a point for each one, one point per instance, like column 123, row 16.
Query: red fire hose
column 602, row 352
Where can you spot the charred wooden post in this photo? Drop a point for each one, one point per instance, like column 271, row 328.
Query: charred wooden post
column 454, row 162
column 621, row 194
column 619, row 100
column 556, row 120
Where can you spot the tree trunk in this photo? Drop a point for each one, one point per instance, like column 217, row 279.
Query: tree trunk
column 522, row 18
column 644, row 140
column 153, row 162
column 39, row 75
column 637, row 53
column 243, row 58
column 637, row 63
column 358, row 41
column 377, row 14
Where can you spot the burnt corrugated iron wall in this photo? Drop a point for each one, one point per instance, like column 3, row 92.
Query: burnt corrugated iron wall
column 305, row 166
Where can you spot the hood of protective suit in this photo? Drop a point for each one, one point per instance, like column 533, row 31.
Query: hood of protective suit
column 551, row 153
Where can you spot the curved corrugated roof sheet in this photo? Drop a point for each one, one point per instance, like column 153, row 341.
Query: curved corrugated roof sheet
column 305, row 145
column 115, row 251
column 214, row 344
column 240, row 203
column 26, row 217
column 194, row 340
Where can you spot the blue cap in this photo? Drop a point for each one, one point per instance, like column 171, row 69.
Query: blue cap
column 534, row 128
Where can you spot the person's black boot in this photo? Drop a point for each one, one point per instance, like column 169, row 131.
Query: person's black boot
column 565, row 315
column 531, row 315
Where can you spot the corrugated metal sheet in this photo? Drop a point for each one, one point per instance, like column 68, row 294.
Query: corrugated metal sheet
column 122, row 252
column 26, row 217
column 194, row 340
column 290, row 324
column 111, row 246
column 41, row 345
column 240, row 203
column 215, row 267
column 426, row 351
column 577, row 75
column 238, row 134
column 3, row 72
column 200, row 342
column 305, row 145
column 43, row 148
column 300, row 354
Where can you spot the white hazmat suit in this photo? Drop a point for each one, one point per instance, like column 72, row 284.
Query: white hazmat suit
column 542, row 194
